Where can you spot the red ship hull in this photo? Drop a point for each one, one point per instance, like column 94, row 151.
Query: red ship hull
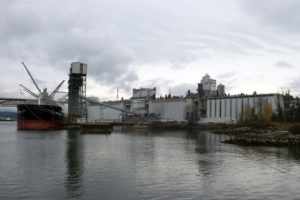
column 40, row 117
column 38, row 125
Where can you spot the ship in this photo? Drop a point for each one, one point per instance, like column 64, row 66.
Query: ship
column 39, row 117
column 46, row 114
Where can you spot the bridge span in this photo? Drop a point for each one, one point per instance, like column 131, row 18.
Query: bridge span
column 13, row 102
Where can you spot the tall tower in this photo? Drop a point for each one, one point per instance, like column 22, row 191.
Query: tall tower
column 77, row 92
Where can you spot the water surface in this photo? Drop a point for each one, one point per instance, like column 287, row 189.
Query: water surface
column 141, row 164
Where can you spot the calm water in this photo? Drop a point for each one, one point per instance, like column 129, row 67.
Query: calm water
column 141, row 165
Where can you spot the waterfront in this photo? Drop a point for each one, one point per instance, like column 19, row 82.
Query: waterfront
column 141, row 164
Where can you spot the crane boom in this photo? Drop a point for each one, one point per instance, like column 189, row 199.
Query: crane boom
column 32, row 78
column 56, row 89
column 29, row 91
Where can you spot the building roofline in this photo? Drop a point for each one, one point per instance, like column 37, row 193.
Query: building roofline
column 170, row 99
column 239, row 96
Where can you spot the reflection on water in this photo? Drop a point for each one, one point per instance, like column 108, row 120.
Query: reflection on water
column 142, row 164
column 294, row 152
column 74, row 164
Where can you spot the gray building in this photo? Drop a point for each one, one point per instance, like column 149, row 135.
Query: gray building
column 230, row 109
column 140, row 98
column 221, row 90
column 172, row 109
column 208, row 83
column 104, row 113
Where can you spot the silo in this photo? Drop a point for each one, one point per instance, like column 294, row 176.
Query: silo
column 233, row 109
column 77, row 92
column 213, row 108
column 218, row 109
column 228, row 108
column 223, row 108
column 208, row 108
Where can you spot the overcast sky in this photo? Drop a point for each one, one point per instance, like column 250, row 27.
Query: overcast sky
column 248, row 45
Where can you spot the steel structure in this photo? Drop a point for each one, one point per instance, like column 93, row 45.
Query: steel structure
column 96, row 102
column 42, row 96
column 77, row 106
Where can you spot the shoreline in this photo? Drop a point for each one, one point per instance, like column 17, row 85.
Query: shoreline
column 246, row 136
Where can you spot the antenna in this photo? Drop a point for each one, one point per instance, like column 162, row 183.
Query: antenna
column 31, row 78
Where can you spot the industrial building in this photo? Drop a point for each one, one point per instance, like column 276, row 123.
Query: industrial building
column 140, row 99
column 209, row 105
column 138, row 103
column 208, row 83
column 103, row 113
column 230, row 109
column 171, row 109
column 221, row 90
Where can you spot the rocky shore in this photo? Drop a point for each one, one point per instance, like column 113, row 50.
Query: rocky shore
column 260, row 137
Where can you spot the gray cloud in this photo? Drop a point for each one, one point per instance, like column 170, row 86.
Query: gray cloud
column 283, row 64
column 295, row 86
column 282, row 15
column 177, row 66
column 226, row 75
column 165, row 86
column 115, row 38
column 162, row 85
column 181, row 89
column 126, row 82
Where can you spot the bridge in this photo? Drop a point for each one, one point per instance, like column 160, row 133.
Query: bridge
column 13, row 102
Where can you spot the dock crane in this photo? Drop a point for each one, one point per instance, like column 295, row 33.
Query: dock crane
column 42, row 96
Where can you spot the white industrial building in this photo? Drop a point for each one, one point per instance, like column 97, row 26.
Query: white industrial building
column 208, row 83
column 228, row 109
column 140, row 98
column 104, row 113
column 210, row 105
column 172, row 109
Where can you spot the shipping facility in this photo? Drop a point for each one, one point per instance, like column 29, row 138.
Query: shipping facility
column 210, row 104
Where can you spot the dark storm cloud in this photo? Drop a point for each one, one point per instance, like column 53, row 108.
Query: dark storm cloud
column 283, row 64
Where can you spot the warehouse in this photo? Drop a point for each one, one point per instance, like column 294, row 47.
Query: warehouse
column 171, row 109
column 230, row 109
column 104, row 113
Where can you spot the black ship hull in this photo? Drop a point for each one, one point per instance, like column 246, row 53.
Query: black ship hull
column 39, row 117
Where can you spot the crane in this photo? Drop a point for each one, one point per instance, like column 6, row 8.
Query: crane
column 42, row 96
